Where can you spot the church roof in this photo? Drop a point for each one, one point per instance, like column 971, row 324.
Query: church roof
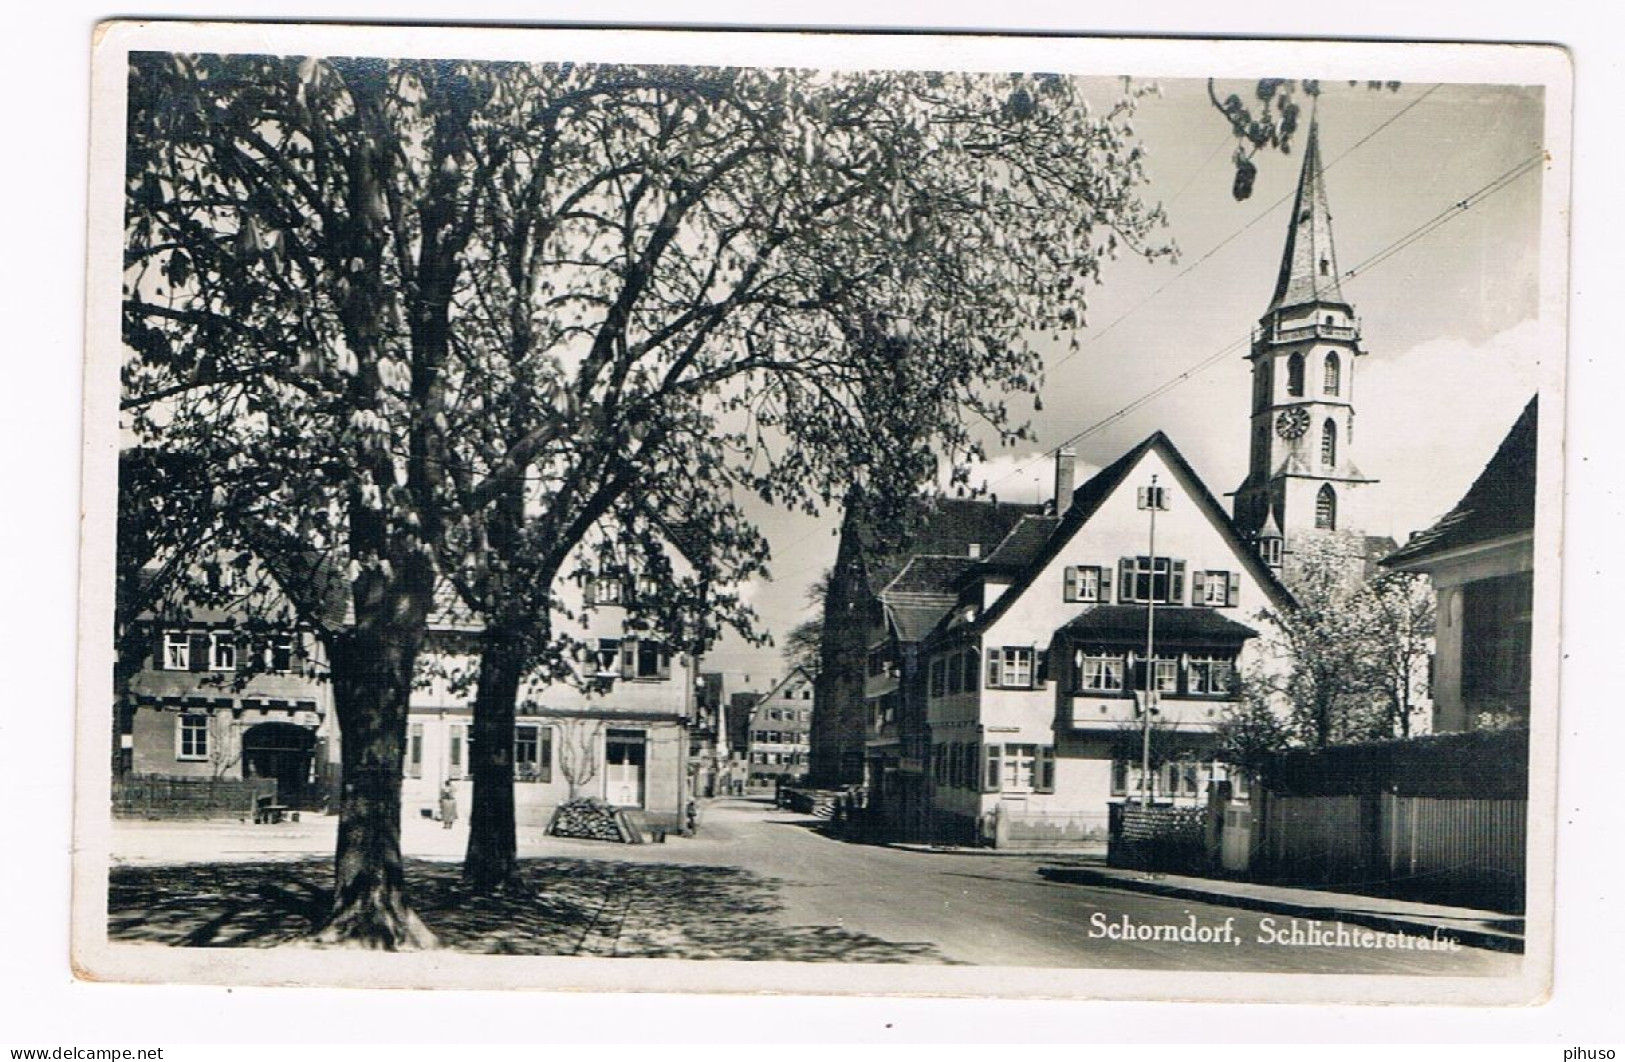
column 1309, row 265
column 1499, row 504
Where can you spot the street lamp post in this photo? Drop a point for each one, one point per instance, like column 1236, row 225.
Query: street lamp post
column 1152, row 500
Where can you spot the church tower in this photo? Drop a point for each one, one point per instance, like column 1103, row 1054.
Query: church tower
column 1301, row 477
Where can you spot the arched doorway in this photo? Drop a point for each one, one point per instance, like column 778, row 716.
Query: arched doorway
column 282, row 751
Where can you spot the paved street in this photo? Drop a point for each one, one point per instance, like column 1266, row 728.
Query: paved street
column 758, row 882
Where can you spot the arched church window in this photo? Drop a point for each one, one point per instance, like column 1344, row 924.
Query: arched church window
column 1294, row 375
column 1328, row 443
column 1334, row 373
column 1326, row 508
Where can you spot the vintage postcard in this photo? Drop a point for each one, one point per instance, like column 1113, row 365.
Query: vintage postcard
column 829, row 513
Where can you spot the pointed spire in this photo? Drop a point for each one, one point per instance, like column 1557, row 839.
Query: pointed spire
column 1309, row 265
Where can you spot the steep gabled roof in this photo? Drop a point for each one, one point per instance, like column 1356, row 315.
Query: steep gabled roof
column 1309, row 264
column 789, row 677
column 922, row 593
column 1092, row 494
column 927, row 574
column 950, row 528
column 1022, row 544
column 1499, row 504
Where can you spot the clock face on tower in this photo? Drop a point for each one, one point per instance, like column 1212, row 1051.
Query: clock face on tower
column 1292, row 423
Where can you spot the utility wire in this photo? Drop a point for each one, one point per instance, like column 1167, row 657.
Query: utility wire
column 1420, row 232
column 1222, row 244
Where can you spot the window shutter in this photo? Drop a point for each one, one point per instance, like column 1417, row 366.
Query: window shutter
column 1045, row 780
column 629, row 658
column 1105, row 584
column 1070, row 588
column 1234, row 595
column 665, row 664
column 990, row 770
column 1125, row 579
column 1176, row 592
column 1040, row 667
column 198, row 651
column 1198, row 588
column 158, row 661
column 591, row 591
column 995, row 660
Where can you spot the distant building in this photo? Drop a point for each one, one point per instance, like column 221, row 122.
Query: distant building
column 778, row 738
column 1480, row 558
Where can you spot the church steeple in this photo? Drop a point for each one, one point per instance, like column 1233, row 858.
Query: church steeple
column 1309, row 264
column 1302, row 479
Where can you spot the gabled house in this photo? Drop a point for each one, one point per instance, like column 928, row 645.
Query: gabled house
column 848, row 746
column 226, row 692
column 1036, row 678
column 616, row 729
column 905, row 593
column 1480, row 558
column 778, row 741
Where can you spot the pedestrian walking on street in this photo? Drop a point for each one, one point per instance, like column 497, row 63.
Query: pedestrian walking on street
column 448, row 806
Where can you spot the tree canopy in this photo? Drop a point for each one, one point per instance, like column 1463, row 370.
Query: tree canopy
column 451, row 323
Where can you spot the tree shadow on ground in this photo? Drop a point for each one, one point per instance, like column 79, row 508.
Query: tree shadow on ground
column 569, row 907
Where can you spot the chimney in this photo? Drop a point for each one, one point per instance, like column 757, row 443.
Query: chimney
column 1066, row 460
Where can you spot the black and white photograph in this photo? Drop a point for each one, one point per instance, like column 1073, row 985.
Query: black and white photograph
column 953, row 514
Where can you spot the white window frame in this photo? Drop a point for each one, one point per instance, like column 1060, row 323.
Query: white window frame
column 177, row 640
column 1095, row 670
column 1216, row 589
column 1083, row 583
column 222, row 651
column 1164, row 674
column 1018, row 772
column 1209, row 666
column 1135, row 568
column 192, row 730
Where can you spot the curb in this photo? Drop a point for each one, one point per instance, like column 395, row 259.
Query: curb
column 1489, row 939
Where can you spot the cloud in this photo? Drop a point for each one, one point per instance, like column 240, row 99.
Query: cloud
column 1022, row 477
column 1430, row 417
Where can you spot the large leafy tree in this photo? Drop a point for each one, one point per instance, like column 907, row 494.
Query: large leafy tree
column 708, row 282
column 449, row 324
column 1356, row 650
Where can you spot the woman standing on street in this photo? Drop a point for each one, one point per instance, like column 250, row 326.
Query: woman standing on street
column 448, row 805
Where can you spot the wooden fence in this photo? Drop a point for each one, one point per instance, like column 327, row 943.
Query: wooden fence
column 150, row 797
column 1448, row 850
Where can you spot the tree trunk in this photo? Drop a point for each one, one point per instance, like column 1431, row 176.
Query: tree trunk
column 492, row 861
column 372, row 682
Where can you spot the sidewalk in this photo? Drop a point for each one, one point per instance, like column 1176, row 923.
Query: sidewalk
column 1479, row 929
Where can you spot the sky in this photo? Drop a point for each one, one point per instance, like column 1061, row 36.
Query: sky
column 1450, row 321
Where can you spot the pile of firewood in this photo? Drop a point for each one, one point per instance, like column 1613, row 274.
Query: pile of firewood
column 593, row 820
